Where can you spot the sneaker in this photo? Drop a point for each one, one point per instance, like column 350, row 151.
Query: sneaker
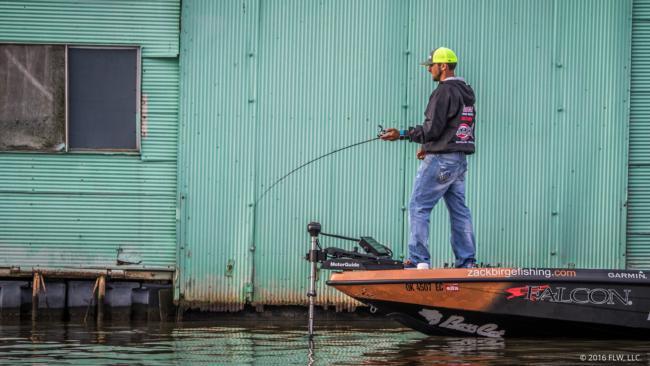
column 469, row 265
column 423, row 266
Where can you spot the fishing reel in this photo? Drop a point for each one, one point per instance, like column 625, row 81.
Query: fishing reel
column 382, row 130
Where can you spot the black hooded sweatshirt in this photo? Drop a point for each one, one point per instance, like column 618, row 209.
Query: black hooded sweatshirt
column 448, row 120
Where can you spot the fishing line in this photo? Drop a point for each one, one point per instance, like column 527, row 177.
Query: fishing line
column 381, row 131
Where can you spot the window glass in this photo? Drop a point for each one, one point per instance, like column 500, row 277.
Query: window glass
column 102, row 99
column 32, row 97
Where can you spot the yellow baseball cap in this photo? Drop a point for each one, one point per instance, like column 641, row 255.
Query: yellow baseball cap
column 441, row 55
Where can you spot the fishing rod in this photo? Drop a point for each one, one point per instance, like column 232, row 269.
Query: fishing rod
column 381, row 132
column 314, row 228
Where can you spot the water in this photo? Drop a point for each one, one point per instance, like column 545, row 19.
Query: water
column 204, row 343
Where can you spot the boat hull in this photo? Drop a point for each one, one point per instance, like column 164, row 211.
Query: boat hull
column 494, row 303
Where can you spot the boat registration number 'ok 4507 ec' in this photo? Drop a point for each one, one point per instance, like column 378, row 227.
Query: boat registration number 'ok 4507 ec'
column 418, row 287
column 428, row 287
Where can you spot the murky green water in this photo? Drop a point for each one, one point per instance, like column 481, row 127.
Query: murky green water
column 203, row 343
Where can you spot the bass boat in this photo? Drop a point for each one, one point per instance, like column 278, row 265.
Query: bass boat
column 488, row 301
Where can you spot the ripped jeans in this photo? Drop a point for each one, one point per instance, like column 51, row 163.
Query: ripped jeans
column 441, row 176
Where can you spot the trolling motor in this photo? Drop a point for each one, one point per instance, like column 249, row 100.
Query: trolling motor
column 376, row 257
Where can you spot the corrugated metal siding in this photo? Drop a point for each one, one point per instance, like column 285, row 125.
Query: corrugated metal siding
column 329, row 73
column 304, row 78
column 152, row 23
column 160, row 88
column 547, row 185
column 295, row 103
column 638, row 226
column 217, row 152
column 592, row 179
column 78, row 210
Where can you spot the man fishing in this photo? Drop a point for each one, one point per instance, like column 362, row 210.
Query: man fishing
column 447, row 136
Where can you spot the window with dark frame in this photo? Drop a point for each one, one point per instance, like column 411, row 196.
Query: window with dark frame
column 102, row 97
column 102, row 88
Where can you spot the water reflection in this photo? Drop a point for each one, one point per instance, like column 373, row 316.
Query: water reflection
column 201, row 343
column 311, row 356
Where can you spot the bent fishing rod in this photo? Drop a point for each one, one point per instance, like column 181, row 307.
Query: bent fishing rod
column 381, row 132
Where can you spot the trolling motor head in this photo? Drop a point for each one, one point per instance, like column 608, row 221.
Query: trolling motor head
column 313, row 228
column 376, row 256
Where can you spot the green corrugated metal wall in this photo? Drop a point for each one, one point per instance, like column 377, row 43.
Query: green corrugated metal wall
column 77, row 210
column 268, row 85
column 216, row 169
column 329, row 73
column 548, row 184
column 638, row 228
column 151, row 23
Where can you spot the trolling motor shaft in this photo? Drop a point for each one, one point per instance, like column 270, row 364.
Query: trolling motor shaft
column 314, row 229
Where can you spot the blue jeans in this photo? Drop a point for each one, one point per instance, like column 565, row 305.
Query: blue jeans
column 441, row 176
